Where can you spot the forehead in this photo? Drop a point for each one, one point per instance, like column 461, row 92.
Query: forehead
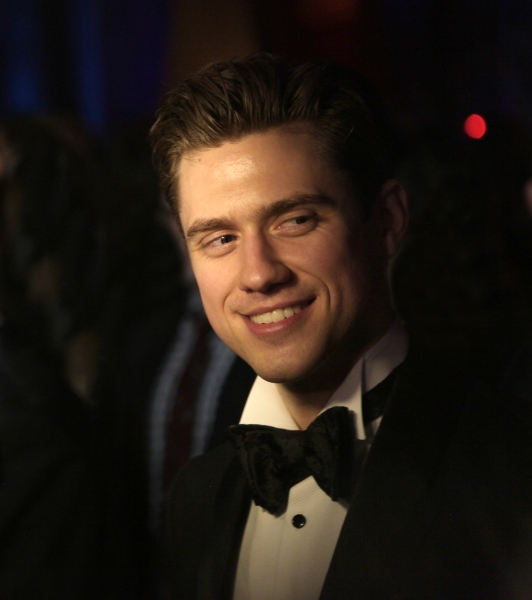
column 254, row 171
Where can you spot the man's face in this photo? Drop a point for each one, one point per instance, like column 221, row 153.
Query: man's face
column 291, row 276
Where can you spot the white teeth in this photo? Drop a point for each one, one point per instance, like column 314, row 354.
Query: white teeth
column 277, row 315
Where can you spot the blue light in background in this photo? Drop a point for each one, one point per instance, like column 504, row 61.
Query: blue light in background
column 23, row 67
column 86, row 39
column 135, row 34
column 111, row 72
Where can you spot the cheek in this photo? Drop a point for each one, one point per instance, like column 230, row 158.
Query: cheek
column 214, row 289
column 213, row 305
column 210, row 290
column 332, row 258
column 348, row 270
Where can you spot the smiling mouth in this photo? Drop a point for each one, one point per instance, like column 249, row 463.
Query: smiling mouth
column 278, row 315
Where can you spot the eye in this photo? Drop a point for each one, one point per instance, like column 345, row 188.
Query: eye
column 299, row 220
column 217, row 245
column 297, row 224
column 223, row 240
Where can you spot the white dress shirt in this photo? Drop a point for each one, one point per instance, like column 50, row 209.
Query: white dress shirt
column 279, row 561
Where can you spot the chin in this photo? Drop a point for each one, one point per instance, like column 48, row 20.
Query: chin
column 273, row 375
column 284, row 373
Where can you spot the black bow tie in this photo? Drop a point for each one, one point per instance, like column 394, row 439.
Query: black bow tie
column 276, row 459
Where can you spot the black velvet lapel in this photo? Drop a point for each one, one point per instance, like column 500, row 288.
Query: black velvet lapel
column 233, row 501
column 394, row 501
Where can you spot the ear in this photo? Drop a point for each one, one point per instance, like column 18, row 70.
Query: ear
column 392, row 209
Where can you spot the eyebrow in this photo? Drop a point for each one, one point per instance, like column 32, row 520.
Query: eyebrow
column 276, row 208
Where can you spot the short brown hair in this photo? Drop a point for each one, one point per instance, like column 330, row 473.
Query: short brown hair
column 226, row 101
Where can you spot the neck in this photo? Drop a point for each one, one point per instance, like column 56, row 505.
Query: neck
column 306, row 398
column 304, row 408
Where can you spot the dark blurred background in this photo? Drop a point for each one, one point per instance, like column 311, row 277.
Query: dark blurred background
column 110, row 375
column 107, row 62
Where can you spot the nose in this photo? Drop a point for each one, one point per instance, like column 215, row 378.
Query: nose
column 261, row 267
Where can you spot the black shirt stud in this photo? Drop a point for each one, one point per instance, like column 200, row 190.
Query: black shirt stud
column 298, row 521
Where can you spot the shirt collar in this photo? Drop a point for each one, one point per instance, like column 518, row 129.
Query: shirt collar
column 264, row 405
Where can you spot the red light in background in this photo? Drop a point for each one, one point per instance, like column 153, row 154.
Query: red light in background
column 475, row 126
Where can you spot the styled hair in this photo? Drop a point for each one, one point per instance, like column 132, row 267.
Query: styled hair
column 229, row 100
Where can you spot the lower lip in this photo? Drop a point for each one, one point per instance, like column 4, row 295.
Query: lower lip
column 267, row 329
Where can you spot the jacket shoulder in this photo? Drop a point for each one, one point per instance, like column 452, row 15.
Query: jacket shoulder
column 190, row 516
column 194, row 489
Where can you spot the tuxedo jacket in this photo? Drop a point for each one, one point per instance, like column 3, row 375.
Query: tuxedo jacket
column 441, row 510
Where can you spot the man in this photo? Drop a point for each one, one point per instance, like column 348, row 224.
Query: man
column 283, row 194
